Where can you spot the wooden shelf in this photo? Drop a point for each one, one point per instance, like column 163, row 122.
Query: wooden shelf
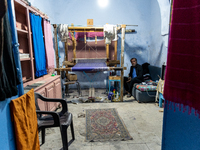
column 26, row 80
column 22, row 31
column 24, row 59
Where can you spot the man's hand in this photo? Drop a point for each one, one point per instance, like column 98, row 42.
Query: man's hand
column 129, row 79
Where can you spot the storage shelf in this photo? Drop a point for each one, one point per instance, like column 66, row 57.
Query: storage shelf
column 24, row 59
column 22, row 31
column 26, row 80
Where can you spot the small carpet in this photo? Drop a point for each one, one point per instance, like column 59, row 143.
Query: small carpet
column 105, row 125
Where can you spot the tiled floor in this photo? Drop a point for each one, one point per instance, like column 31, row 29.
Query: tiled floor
column 143, row 121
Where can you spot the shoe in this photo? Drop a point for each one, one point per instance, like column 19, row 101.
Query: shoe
column 128, row 95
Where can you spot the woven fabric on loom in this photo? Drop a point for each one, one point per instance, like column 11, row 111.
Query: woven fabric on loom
column 182, row 84
column 90, row 65
column 79, row 35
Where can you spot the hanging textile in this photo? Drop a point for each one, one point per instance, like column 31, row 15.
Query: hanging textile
column 8, row 79
column 24, row 117
column 80, row 35
column 15, row 46
column 3, row 8
column 38, row 45
column 48, row 45
column 90, row 65
column 182, row 83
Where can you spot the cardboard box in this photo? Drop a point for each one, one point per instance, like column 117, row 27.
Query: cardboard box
column 72, row 77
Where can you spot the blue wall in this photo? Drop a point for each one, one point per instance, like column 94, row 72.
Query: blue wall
column 180, row 130
column 7, row 141
column 146, row 44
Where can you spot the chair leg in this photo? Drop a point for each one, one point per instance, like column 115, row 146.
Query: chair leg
column 43, row 135
column 64, row 137
column 72, row 130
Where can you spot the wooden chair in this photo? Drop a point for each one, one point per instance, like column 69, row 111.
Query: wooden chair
column 62, row 119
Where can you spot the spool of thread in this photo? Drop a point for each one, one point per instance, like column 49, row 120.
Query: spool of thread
column 114, row 92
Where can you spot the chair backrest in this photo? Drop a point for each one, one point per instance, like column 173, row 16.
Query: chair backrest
column 154, row 72
column 37, row 96
column 63, row 102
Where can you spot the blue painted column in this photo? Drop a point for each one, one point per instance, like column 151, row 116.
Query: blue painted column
column 12, row 19
column 180, row 130
column 7, row 137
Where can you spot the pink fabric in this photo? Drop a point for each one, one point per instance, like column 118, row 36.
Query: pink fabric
column 182, row 82
column 88, row 34
column 48, row 44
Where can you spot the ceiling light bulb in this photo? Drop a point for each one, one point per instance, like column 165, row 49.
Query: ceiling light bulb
column 103, row 3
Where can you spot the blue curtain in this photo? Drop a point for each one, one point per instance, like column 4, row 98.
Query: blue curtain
column 38, row 45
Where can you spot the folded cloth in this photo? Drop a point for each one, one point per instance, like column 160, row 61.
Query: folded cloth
column 23, row 114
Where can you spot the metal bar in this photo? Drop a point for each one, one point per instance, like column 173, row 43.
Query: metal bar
column 70, row 68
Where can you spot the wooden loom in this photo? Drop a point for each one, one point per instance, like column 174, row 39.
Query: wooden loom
column 93, row 29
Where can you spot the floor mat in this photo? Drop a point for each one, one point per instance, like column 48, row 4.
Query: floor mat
column 105, row 125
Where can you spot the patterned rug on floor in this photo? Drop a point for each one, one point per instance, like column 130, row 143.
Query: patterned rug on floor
column 105, row 125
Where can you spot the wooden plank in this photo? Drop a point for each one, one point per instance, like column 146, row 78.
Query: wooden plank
column 69, row 82
column 56, row 47
column 63, row 69
column 24, row 59
column 85, row 29
column 107, row 51
column 87, row 58
column 30, row 44
column 66, row 51
column 66, row 59
column 74, row 45
column 22, row 3
column 70, row 69
column 115, row 54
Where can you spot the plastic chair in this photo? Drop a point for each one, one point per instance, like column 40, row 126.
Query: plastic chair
column 61, row 119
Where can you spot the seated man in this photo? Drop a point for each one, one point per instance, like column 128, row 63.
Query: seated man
column 135, row 76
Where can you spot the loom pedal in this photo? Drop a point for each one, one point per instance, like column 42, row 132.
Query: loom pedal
column 91, row 93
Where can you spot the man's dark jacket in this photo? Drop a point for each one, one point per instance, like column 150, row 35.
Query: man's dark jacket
column 139, row 72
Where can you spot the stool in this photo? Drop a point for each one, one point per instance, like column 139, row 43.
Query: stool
column 115, row 79
column 161, row 98
column 77, row 85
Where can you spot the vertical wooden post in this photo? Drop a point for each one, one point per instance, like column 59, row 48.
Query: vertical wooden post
column 66, row 59
column 56, row 47
column 107, row 51
column 122, row 60
column 74, row 45
column 66, row 54
column 30, row 44
column 66, row 51
column 115, row 55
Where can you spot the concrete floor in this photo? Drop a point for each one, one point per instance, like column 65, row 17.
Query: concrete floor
column 143, row 121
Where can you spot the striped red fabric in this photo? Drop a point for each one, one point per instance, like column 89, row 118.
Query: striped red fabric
column 182, row 82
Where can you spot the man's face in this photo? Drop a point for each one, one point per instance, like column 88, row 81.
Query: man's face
column 133, row 62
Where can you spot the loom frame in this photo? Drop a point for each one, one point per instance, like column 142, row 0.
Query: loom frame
column 72, row 29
